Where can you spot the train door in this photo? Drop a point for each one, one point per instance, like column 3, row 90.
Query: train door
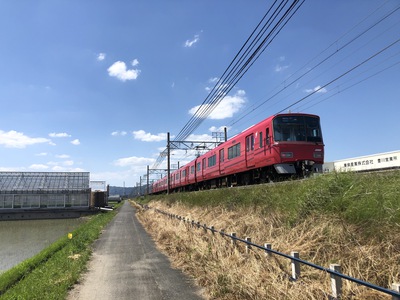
column 203, row 168
column 249, row 154
column 221, row 162
column 268, row 140
column 187, row 169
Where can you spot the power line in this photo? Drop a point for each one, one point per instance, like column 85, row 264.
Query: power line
column 342, row 75
column 265, row 32
column 318, row 64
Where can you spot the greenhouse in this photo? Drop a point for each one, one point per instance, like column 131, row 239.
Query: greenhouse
column 41, row 190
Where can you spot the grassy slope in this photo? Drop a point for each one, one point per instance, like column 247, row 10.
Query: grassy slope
column 50, row 274
column 346, row 218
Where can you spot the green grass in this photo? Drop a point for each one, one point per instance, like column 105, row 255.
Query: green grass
column 49, row 274
column 368, row 200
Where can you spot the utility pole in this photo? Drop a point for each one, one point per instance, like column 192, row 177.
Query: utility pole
column 140, row 186
column 168, row 163
column 148, row 171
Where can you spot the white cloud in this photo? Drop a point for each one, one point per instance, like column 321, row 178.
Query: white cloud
column 148, row 137
column 68, row 163
column 14, row 139
column 63, row 166
column 200, row 137
column 101, row 56
column 117, row 133
column 42, row 154
column 66, row 169
column 62, row 156
column 61, row 163
column 135, row 62
column 279, row 68
column 59, row 135
column 317, row 89
column 190, row 43
column 133, row 161
column 119, row 70
column 226, row 108
column 75, row 142
column 218, row 129
column 38, row 167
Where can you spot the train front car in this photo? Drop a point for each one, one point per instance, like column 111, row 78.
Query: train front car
column 297, row 144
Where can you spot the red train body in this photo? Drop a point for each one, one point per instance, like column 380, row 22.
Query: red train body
column 279, row 146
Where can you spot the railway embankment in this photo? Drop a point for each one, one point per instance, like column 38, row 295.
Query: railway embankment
column 350, row 219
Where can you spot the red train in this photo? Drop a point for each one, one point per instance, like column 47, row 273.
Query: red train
column 283, row 145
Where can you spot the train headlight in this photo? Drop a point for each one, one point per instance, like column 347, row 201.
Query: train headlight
column 317, row 154
column 287, row 154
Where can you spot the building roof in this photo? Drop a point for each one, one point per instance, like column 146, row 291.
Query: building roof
column 43, row 181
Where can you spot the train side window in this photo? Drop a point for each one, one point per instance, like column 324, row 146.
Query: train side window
column 267, row 138
column 234, row 151
column 221, row 155
column 198, row 166
column 212, row 160
column 260, row 139
column 249, row 142
column 192, row 170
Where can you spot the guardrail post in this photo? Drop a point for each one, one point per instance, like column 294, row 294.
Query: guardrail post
column 295, row 265
column 248, row 247
column 268, row 246
column 233, row 235
column 336, row 282
column 212, row 229
column 198, row 224
column 396, row 287
column 205, row 228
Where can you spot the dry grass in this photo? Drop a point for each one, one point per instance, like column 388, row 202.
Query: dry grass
column 227, row 272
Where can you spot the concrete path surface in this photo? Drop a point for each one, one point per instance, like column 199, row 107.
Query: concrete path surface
column 126, row 265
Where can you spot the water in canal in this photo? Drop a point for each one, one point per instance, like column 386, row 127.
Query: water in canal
column 20, row 240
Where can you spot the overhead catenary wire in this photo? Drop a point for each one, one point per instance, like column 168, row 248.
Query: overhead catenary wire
column 256, row 44
column 236, row 72
column 320, row 62
column 340, row 76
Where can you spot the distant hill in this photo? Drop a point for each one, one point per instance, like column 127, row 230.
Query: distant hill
column 127, row 191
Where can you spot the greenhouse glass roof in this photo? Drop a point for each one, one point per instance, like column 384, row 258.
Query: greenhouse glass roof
column 43, row 181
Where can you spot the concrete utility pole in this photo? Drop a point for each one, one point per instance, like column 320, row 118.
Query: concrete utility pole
column 168, row 162
column 148, row 171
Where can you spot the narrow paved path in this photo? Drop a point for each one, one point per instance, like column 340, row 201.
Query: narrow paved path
column 127, row 265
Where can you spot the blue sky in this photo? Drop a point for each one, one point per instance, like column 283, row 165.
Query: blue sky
column 96, row 85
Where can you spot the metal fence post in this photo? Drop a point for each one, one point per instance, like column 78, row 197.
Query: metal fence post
column 233, row 235
column 396, row 287
column 248, row 247
column 295, row 265
column 336, row 282
column 268, row 246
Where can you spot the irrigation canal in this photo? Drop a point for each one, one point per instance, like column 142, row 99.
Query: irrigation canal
column 20, row 240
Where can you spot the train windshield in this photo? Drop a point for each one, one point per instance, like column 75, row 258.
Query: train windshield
column 297, row 128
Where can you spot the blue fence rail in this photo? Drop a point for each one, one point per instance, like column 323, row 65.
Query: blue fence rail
column 334, row 270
